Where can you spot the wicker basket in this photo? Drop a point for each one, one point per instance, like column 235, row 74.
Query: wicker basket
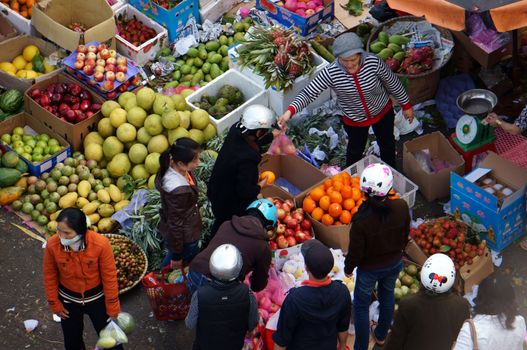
column 124, row 290
column 420, row 87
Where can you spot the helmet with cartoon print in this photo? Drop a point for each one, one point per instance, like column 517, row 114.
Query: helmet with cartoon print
column 438, row 273
column 376, row 180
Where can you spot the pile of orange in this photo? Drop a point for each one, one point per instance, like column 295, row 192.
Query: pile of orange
column 23, row 7
column 335, row 201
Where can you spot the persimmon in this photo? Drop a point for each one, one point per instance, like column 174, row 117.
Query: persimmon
column 337, row 185
column 345, row 217
column 346, row 191
column 337, row 223
column 317, row 214
column 335, row 210
column 317, row 193
column 324, row 202
column 359, row 202
column 357, row 194
column 336, row 197
column 269, row 176
column 348, row 204
column 327, row 184
column 327, row 220
column 330, row 190
column 309, row 205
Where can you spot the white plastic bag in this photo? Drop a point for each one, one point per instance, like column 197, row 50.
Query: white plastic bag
column 110, row 336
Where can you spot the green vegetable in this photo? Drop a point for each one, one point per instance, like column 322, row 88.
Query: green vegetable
column 322, row 51
column 38, row 63
column 354, row 7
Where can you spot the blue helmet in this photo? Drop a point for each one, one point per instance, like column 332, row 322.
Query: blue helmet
column 267, row 209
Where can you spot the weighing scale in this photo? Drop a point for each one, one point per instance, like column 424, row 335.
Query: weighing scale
column 471, row 133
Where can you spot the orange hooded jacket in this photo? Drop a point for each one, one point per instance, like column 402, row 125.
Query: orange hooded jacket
column 81, row 271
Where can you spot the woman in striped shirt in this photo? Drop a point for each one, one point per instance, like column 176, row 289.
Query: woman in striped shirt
column 363, row 84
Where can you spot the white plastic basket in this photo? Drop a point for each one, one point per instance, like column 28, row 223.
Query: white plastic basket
column 402, row 185
column 252, row 93
column 280, row 100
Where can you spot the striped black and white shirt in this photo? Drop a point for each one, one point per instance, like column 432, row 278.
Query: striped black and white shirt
column 363, row 97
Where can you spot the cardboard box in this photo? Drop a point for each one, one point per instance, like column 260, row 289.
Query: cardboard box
column 293, row 170
column 215, row 9
column 485, row 59
column 13, row 47
column 23, row 120
column 21, row 24
column 148, row 50
column 52, row 22
column 500, row 223
column 174, row 20
column 7, row 31
column 288, row 19
column 73, row 133
column 432, row 185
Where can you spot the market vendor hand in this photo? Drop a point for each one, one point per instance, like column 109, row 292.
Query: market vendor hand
column 409, row 114
column 283, row 119
column 263, row 183
column 492, row 119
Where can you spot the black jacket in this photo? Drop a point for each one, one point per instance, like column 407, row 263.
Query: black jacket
column 233, row 184
column 180, row 221
column 249, row 236
column 312, row 317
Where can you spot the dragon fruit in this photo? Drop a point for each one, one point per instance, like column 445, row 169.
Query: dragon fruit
column 414, row 69
column 393, row 64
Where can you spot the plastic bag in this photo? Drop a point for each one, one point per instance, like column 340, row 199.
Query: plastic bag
column 282, row 145
column 486, row 38
column 110, row 336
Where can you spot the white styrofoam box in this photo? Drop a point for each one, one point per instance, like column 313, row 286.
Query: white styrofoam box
column 117, row 5
column 280, row 100
column 252, row 93
column 148, row 50
column 401, row 184
column 214, row 9
column 21, row 24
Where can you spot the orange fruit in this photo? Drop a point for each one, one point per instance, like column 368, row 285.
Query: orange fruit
column 336, row 197
column 335, row 210
column 327, row 184
column 324, row 202
column 356, row 194
column 330, row 190
column 345, row 175
column 317, row 214
column 346, row 191
column 309, row 205
column 354, row 210
column 336, row 178
column 359, row 202
column 317, row 193
column 355, row 182
column 348, row 204
column 337, row 223
column 345, row 217
column 269, row 175
column 337, row 185
column 327, row 219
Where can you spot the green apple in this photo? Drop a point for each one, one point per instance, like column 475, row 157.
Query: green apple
column 27, row 156
column 37, row 157
column 26, row 138
column 54, row 149
column 28, row 149
column 16, row 137
column 18, row 144
column 53, row 142
column 20, row 150
column 31, row 143
column 43, row 137
column 38, row 150
column 6, row 138
column 41, row 144
column 18, row 131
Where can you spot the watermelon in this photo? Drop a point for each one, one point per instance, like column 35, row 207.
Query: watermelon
column 11, row 101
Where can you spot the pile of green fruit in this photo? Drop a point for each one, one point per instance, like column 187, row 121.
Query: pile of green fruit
column 227, row 100
column 78, row 183
column 407, row 282
column 387, row 46
column 205, row 62
column 11, row 169
column 33, row 148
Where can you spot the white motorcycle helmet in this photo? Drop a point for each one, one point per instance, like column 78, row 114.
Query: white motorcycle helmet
column 257, row 117
column 226, row 262
column 376, row 179
column 438, row 273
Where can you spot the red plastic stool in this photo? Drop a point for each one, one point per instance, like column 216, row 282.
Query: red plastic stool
column 469, row 156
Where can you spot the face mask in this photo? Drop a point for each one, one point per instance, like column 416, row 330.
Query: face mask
column 68, row 242
column 265, row 139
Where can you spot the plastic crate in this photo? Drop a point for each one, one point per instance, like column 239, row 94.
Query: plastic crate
column 280, row 100
column 253, row 94
column 402, row 185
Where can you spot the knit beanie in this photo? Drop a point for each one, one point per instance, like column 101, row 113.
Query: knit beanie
column 347, row 44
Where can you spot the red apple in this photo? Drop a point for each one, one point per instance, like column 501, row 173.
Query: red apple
column 120, row 76
column 90, row 62
column 88, row 70
column 286, row 219
column 108, row 85
column 292, row 223
column 111, row 60
column 89, row 114
column 287, row 207
column 70, row 115
column 273, row 245
column 122, row 68
column 82, row 48
column 79, row 64
column 110, row 68
column 111, row 95
column 80, row 56
column 297, row 216
column 121, row 60
column 105, row 54
column 99, row 69
column 281, row 242
column 100, row 62
column 91, row 55
column 102, row 47
column 110, row 76
column 92, row 48
column 289, row 232
column 45, row 100
column 306, row 224
column 85, row 105
column 281, row 214
column 290, row 202
column 291, row 241
column 113, row 53
column 280, row 229
column 277, row 204
column 300, row 236
column 98, row 76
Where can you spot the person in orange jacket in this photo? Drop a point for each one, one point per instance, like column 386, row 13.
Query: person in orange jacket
column 80, row 277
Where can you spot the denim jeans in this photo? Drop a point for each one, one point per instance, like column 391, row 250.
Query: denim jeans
column 196, row 280
column 190, row 250
column 385, row 279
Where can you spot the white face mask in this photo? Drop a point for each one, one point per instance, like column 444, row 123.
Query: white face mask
column 68, row 242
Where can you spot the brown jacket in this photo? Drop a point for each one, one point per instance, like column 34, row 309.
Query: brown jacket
column 180, row 220
column 81, row 271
